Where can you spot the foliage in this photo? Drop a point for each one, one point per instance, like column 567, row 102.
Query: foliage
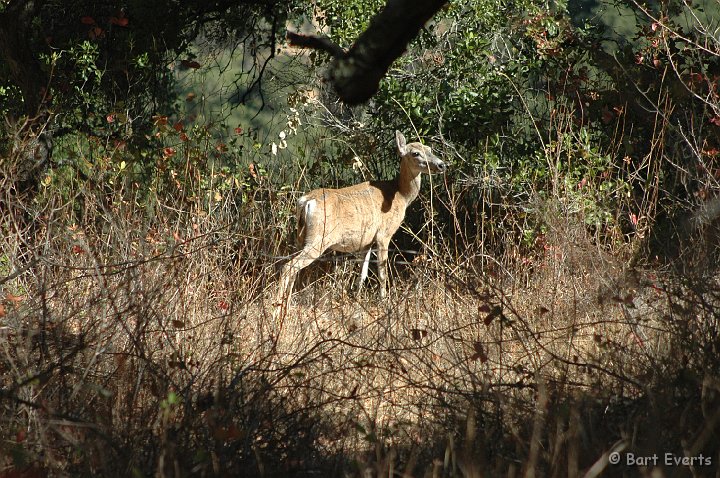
column 552, row 98
column 117, row 58
column 138, row 333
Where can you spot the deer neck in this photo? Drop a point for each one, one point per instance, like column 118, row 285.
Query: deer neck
column 408, row 183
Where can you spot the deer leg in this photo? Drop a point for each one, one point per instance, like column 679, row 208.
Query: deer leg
column 289, row 273
column 382, row 255
column 364, row 271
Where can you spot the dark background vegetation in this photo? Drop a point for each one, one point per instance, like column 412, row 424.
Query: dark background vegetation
column 554, row 295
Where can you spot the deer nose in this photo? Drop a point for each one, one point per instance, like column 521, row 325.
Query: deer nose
column 442, row 167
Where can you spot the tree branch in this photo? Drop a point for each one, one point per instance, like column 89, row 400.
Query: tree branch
column 321, row 43
column 356, row 74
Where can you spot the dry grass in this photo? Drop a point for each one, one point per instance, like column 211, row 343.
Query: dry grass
column 140, row 342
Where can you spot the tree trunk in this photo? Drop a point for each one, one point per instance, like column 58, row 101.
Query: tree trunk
column 357, row 75
column 17, row 54
column 30, row 141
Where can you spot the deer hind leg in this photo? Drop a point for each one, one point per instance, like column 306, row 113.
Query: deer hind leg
column 290, row 271
column 382, row 255
column 364, row 271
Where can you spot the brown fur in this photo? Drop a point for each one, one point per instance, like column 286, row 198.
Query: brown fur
column 357, row 217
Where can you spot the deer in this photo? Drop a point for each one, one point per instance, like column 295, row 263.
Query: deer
column 356, row 218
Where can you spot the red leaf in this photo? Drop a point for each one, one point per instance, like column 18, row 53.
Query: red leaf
column 226, row 434
column 190, row 64
column 96, row 32
column 14, row 299
column 542, row 310
column 87, row 20
column 607, row 116
column 494, row 313
column 119, row 21
column 715, row 120
column 178, row 126
column 479, row 353
column 484, row 308
column 31, row 471
column 418, row 334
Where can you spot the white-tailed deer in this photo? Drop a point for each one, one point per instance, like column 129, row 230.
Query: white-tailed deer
column 354, row 218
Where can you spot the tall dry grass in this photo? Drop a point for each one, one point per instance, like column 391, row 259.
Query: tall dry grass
column 138, row 340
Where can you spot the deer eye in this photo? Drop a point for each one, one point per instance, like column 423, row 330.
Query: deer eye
column 416, row 154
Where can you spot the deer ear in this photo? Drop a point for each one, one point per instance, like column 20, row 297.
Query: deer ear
column 400, row 139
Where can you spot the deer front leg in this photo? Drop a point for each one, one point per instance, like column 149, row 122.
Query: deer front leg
column 364, row 271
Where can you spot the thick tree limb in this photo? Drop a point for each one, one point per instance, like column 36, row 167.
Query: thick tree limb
column 322, row 43
column 15, row 51
column 356, row 74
